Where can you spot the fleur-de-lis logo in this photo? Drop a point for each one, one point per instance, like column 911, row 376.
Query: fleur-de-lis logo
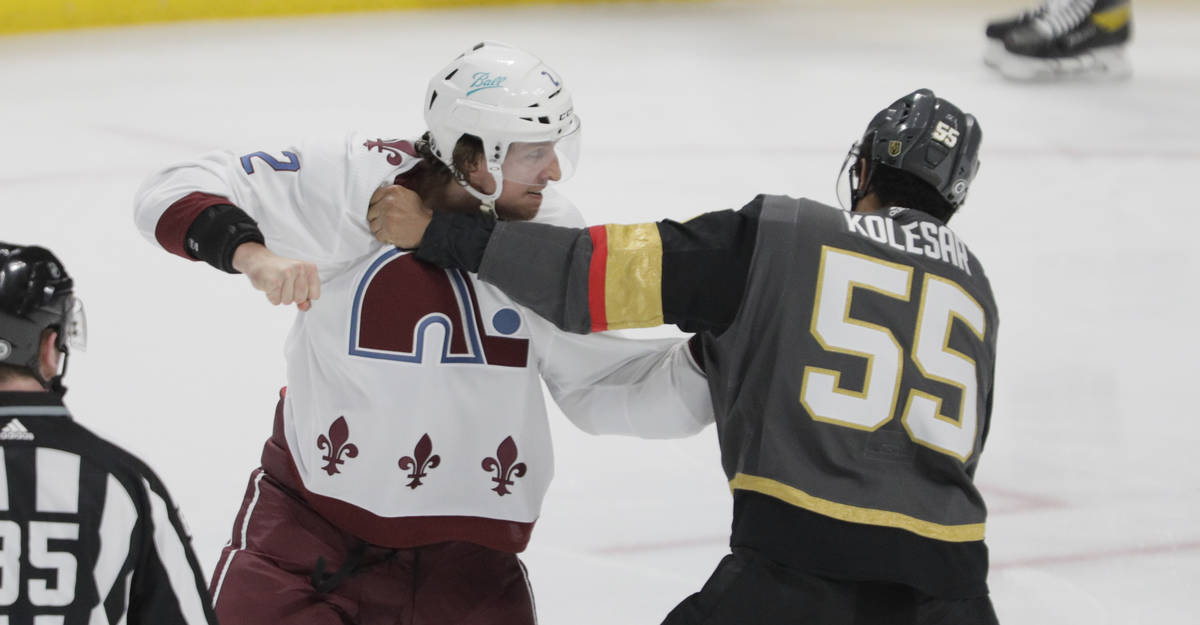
column 423, row 460
column 335, row 446
column 502, row 464
column 391, row 147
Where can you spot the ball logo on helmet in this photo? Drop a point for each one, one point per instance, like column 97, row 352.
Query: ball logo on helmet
column 484, row 80
column 5, row 350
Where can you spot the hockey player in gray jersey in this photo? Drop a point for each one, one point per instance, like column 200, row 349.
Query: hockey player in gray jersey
column 850, row 358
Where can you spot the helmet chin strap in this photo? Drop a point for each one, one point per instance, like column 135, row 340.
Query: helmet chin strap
column 857, row 193
column 850, row 168
column 860, row 186
column 487, row 201
column 54, row 384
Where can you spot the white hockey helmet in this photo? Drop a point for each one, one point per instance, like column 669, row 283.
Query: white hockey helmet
column 514, row 103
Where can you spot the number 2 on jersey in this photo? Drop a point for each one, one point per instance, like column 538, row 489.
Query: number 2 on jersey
column 942, row 301
column 291, row 161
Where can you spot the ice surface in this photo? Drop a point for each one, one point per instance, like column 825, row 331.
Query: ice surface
column 1083, row 213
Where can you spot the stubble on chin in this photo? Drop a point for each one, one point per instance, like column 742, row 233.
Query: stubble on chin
column 524, row 211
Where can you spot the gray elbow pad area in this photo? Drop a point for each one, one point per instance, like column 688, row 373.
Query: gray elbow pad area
column 543, row 267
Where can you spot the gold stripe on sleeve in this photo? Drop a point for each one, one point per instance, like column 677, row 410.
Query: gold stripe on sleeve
column 633, row 277
column 853, row 514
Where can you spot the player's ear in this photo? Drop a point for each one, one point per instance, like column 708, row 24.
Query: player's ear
column 478, row 164
column 48, row 355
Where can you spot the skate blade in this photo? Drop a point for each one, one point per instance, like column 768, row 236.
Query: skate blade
column 1109, row 63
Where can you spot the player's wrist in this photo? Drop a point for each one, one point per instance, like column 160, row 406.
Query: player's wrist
column 218, row 233
column 456, row 240
column 247, row 255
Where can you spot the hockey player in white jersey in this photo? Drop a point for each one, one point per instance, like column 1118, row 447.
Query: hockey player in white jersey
column 411, row 450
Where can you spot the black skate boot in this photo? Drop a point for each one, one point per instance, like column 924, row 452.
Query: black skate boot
column 1080, row 38
column 999, row 29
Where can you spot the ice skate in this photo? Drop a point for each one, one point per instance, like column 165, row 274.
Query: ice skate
column 997, row 30
column 1069, row 39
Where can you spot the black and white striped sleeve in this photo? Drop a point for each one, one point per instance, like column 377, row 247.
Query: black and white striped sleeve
column 167, row 586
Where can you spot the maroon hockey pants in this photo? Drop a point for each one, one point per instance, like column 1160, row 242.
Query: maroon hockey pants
column 266, row 574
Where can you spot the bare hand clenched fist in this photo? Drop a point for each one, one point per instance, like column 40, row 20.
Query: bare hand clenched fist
column 284, row 280
column 398, row 216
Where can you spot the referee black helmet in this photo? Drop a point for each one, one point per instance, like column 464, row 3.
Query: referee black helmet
column 36, row 294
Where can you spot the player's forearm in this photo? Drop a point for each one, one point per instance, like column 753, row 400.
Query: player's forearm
column 611, row 277
column 540, row 266
column 204, row 226
column 581, row 280
column 545, row 268
column 607, row 277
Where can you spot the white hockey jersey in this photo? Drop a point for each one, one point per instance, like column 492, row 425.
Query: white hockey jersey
column 413, row 411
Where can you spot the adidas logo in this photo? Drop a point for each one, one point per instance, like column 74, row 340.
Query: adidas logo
column 15, row 431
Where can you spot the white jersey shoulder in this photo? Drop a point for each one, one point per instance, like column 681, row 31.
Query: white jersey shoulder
column 309, row 198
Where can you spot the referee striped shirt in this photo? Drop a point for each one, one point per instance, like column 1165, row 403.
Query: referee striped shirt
column 88, row 533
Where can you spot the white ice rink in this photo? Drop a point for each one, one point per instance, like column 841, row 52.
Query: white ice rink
column 1084, row 213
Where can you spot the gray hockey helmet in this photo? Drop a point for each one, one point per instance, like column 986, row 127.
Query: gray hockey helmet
column 929, row 138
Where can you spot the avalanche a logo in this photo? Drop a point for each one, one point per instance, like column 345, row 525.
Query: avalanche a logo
column 399, row 299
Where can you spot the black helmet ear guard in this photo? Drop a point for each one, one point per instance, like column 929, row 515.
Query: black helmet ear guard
column 37, row 294
column 925, row 136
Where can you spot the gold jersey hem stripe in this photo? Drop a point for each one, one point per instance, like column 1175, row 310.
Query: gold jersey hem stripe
column 854, row 514
column 633, row 277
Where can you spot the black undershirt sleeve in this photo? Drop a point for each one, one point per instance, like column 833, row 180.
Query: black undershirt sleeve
column 217, row 232
column 706, row 264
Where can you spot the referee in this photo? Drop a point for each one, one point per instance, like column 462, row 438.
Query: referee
column 88, row 533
